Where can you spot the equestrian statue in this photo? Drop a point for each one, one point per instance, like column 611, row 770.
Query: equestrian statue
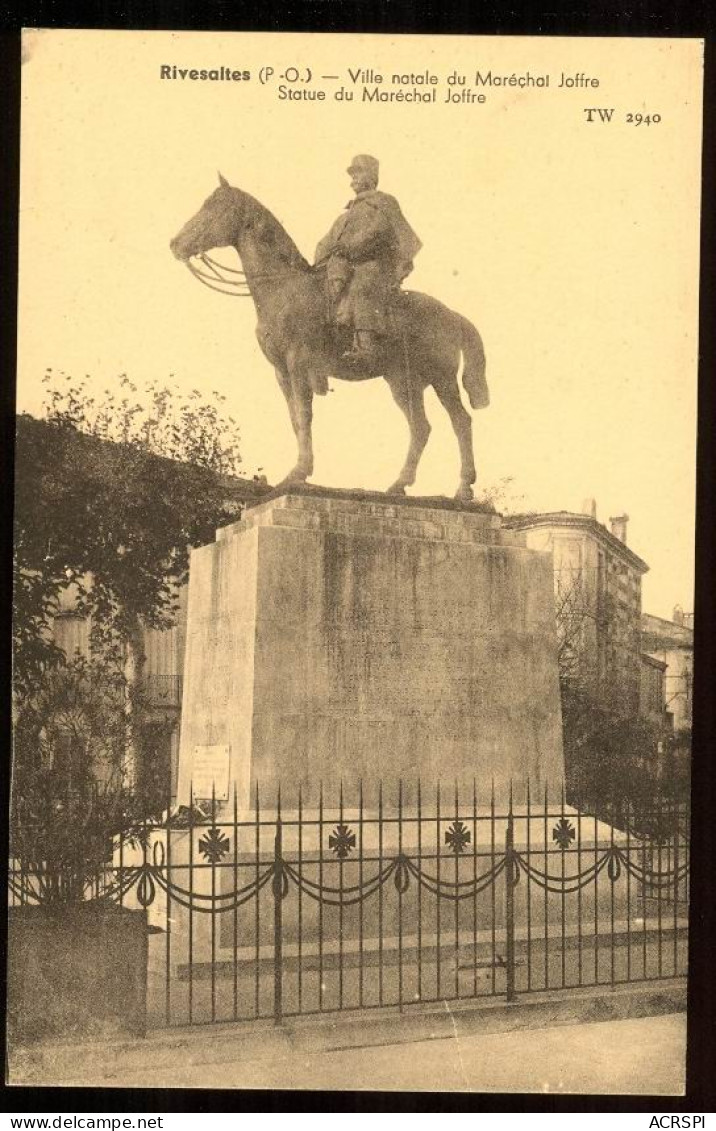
column 346, row 316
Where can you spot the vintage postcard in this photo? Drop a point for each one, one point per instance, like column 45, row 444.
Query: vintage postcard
column 356, row 447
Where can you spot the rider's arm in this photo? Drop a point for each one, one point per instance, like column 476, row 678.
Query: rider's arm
column 362, row 240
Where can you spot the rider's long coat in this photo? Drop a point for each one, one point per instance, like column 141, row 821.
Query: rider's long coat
column 379, row 245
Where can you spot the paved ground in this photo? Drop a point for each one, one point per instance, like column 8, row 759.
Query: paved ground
column 636, row 1055
column 346, row 986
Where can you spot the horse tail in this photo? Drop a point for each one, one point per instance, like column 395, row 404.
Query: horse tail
column 473, row 371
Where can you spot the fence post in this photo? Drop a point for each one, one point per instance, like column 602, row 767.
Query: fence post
column 510, row 906
column 278, row 888
column 676, row 857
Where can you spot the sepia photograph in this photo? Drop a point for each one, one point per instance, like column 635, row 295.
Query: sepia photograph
column 353, row 572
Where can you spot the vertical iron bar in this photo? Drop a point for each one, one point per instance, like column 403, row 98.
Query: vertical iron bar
column 168, row 954
column 660, row 827
column 546, row 893
column 213, row 908
column 191, row 902
column 106, row 873
column 320, row 898
column 644, row 897
column 420, row 894
column 300, row 897
column 26, row 882
column 438, row 907
column 528, row 885
column 579, row 891
column 121, row 866
column 257, row 919
column 596, row 896
column 563, row 855
column 675, row 889
column 510, row 904
column 493, row 893
column 235, row 971
column 612, row 960
column 380, row 893
column 457, row 901
column 628, row 887
column 277, row 917
column 668, row 857
column 687, row 854
column 145, row 862
column 360, row 891
column 21, row 899
column 340, row 905
column 474, row 888
column 400, row 896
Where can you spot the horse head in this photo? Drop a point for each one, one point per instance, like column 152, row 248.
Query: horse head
column 231, row 217
column 216, row 224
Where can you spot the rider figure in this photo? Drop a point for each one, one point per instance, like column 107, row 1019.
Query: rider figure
column 368, row 252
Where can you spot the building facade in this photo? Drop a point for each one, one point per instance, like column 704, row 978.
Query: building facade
column 652, row 691
column 671, row 642
column 597, row 580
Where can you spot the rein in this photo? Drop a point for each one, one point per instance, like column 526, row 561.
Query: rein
column 237, row 288
column 216, row 278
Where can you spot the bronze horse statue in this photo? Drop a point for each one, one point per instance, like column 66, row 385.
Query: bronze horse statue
column 296, row 336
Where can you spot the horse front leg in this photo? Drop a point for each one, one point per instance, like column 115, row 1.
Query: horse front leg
column 303, row 408
column 299, row 399
column 408, row 396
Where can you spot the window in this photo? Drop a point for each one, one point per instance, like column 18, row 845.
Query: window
column 71, row 633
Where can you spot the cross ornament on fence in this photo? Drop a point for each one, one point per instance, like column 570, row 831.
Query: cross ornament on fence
column 563, row 833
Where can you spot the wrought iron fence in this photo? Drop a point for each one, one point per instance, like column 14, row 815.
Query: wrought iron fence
column 380, row 900
column 163, row 690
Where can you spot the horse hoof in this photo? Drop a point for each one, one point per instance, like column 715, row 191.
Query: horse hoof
column 293, row 479
column 465, row 493
column 396, row 489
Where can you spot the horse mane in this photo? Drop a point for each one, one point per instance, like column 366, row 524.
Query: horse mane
column 273, row 233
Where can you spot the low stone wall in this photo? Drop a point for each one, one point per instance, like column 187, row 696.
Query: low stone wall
column 76, row 971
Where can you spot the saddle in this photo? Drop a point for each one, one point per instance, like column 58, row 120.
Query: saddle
column 343, row 342
column 336, row 275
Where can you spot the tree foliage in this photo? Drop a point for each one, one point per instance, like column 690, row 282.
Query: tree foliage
column 111, row 492
column 502, row 496
column 70, row 794
column 610, row 751
column 34, row 603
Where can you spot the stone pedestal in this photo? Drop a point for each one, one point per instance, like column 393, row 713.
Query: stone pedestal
column 332, row 637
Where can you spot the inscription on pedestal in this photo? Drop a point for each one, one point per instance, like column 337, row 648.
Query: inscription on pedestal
column 211, row 773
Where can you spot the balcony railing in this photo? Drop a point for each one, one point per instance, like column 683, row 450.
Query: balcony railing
column 163, row 690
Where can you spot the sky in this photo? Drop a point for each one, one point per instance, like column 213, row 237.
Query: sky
column 571, row 245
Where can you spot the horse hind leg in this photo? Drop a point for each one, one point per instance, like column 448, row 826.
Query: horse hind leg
column 409, row 399
column 448, row 394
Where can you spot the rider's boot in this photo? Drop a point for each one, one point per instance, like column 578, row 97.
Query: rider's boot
column 319, row 381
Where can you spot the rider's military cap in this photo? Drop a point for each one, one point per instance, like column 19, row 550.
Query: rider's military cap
column 364, row 161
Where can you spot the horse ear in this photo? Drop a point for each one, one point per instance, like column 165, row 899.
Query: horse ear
column 223, row 181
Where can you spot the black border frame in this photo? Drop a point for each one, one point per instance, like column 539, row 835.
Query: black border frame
column 642, row 18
